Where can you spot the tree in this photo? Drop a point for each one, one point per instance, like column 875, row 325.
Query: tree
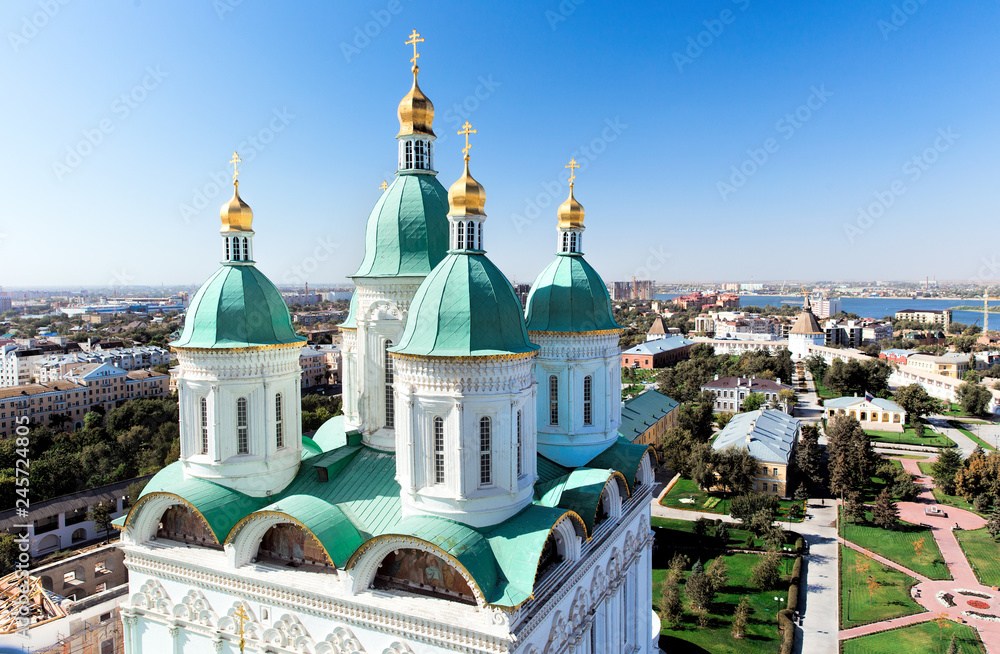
column 722, row 419
column 699, row 590
column 788, row 398
column 851, row 454
column 698, row 567
column 718, row 573
column 753, row 401
column 801, row 493
column 993, row 524
column 678, row 564
column 973, row 398
column 92, row 420
column 808, row 453
column 100, row 515
column 698, row 417
column 917, row 403
column 947, row 463
column 736, row 469
column 765, row 574
column 670, row 600
column 676, row 448
column 873, row 585
column 854, row 508
column 722, row 533
column 701, row 464
column 885, row 513
column 817, row 366
column 9, row 552
column 745, row 507
column 918, row 547
column 700, row 527
column 979, row 476
column 741, row 617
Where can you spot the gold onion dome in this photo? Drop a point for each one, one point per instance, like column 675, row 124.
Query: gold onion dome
column 237, row 216
column 416, row 112
column 467, row 197
column 570, row 212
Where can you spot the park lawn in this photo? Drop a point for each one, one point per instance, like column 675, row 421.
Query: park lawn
column 897, row 545
column 822, row 391
column 975, row 439
column 955, row 410
column 890, row 600
column 920, row 637
column 956, row 501
column 983, row 553
column 671, row 533
column 909, row 437
column 762, row 628
column 705, row 501
column 876, row 484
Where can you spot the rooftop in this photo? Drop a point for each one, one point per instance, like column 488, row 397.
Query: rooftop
column 769, row 435
column 659, row 345
column 643, row 411
column 753, row 383
column 846, row 402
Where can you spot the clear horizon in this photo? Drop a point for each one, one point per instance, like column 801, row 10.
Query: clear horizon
column 853, row 141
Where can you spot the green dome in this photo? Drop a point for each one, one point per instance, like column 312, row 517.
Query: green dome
column 407, row 229
column 465, row 307
column 569, row 296
column 237, row 307
column 351, row 321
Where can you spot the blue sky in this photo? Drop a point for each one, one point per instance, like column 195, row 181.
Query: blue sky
column 722, row 139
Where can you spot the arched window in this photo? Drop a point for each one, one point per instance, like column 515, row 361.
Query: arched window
column 470, row 236
column 408, row 155
column 520, row 448
column 242, row 427
column 553, row 400
column 480, row 236
column 588, row 416
column 438, row 450
column 246, row 249
column 279, row 428
column 572, row 242
column 485, row 452
column 204, row 425
column 390, row 408
column 227, row 248
column 461, row 236
column 420, row 158
column 565, row 246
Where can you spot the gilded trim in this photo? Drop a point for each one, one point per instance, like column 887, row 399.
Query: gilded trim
column 145, row 499
column 230, row 350
column 573, row 515
column 465, row 359
column 598, row 332
column 257, row 515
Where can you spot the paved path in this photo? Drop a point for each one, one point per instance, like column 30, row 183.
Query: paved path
column 941, row 426
column 925, row 592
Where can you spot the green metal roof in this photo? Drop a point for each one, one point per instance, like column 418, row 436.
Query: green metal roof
column 547, row 470
column 330, row 434
column 351, row 321
column 641, row 412
column 569, row 296
column 579, row 491
column 407, row 230
column 237, row 307
column 465, row 307
column 221, row 507
column 623, row 456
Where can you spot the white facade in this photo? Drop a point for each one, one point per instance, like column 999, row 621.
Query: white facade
column 569, row 432
column 230, row 405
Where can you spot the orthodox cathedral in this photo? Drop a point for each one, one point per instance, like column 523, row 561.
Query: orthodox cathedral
column 474, row 496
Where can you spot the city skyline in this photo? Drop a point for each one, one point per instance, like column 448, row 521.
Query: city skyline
column 854, row 132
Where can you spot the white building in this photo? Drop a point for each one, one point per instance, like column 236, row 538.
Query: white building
column 424, row 519
column 805, row 332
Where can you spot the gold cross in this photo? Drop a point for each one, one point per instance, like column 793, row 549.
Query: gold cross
column 241, row 613
column 235, row 160
column 572, row 165
column 383, row 185
column 467, row 129
column 414, row 40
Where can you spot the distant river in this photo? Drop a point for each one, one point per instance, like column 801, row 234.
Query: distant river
column 875, row 307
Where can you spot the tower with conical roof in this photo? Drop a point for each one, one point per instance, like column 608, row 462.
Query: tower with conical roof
column 406, row 236
column 239, row 385
column 465, row 445
column 805, row 332
column 578, row 369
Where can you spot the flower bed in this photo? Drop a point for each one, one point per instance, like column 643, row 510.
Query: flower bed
column 974, row 593
column 978, row 604
column 946, row 598
column 981, row 616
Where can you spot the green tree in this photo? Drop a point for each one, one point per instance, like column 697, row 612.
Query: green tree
column 700, row 465
column 944, row 468
column 745, row 507
column 765, row 574
column 850, row 453
column 980, row 475
column 718, row 573
column 917, row 403
column 9, row 552
column 788, row 398
column 736, row 469
column 722, row 419
column 808, row 453
column 670, row 600
column 973, row 398
column 741, row 617
column 700, row 527
column 675, row 448
column 100, row 515
column 993, row 524
column 722, row 533
column 698, row 417
column 854, row 508
column 92, row 420
column 753, row 401
column 699, row 590
column 885, row 513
